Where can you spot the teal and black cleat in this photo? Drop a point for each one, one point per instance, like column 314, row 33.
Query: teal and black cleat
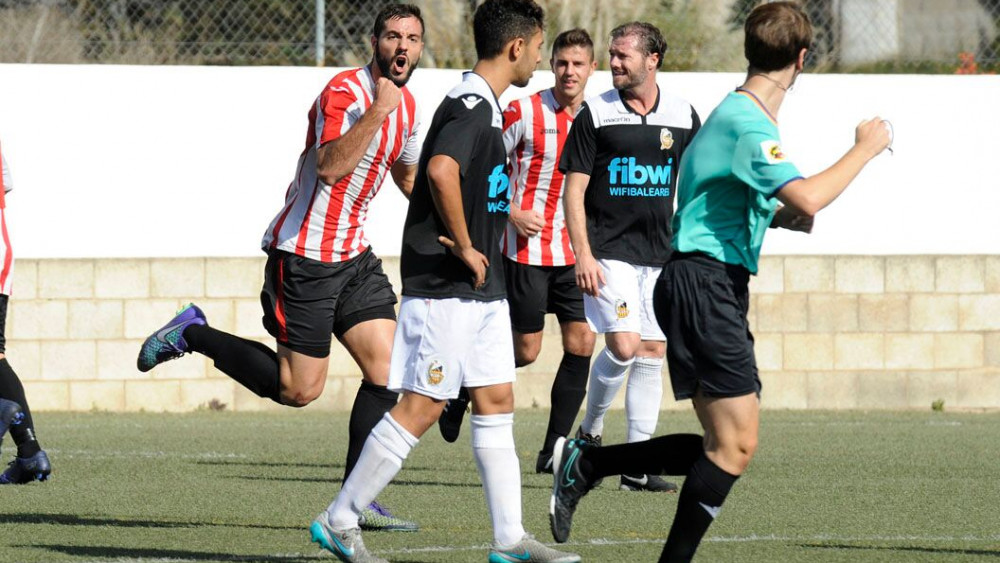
column 10, row 415
column 27, row 469
column 346, row 545
column 168, row 342
column 530, row 549
column 377, row 518
column 568, row 486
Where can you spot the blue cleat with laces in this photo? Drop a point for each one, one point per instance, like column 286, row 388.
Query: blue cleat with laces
column 27, row 469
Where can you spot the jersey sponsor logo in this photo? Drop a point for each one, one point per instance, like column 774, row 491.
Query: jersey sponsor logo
column 621, row 308
column 613, row 120
column 499, row 198
column 471, row 101
column 772, row 152
column 435, row 373
column 626, row 178
column 550, row 131
column 666, row 139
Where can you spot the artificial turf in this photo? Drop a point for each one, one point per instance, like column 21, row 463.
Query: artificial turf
column 222, row 486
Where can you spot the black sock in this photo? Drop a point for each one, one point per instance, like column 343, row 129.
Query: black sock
column 252, row 364
column 673, row 454
column 12, row 390
column 568, row 391
column 370, row 405
column 701, row 498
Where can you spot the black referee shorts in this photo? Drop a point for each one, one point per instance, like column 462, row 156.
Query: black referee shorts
column 533, row 291
column 701, row 305
column 305, row 300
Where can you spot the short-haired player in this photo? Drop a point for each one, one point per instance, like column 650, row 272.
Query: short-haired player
column 732, row 180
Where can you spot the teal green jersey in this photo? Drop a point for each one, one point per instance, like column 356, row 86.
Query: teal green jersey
column 729, row 176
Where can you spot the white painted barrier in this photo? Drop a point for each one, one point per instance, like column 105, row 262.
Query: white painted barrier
column 125, row 161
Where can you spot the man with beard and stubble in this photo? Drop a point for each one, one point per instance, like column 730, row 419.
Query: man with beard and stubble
column 620, row 161
column 322, row 276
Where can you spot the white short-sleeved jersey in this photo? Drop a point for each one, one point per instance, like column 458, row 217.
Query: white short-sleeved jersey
column 326, row 223
column 535, row 130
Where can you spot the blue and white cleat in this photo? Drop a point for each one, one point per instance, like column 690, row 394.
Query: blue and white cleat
column 531, row 550
column 10, row 415
column 27, row 469
column 168, row 342
column 347, row 545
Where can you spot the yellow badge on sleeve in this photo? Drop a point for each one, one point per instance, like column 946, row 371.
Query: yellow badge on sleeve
column 772, row 152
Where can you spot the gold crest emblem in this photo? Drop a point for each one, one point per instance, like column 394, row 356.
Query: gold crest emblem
column 666, row 139
column 621, row 307
column 435, row 373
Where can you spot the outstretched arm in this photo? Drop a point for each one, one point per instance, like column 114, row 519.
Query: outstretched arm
column 809, row 195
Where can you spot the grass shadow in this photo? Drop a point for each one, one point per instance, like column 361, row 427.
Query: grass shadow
column 170, row 554
column 74, row 520
column 914, row 549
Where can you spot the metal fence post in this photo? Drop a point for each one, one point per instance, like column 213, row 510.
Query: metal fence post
column 320, row 32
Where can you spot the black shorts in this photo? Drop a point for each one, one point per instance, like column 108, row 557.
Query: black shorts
column 305, row 300
column 533, row 291
column 701, row 305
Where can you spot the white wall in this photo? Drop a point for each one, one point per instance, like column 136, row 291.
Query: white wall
column 122, row 161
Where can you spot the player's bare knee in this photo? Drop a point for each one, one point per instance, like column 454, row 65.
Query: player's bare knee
column 623, row 350
column 525, row 356
column 580, row 343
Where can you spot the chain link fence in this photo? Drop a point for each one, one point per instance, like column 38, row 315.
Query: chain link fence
column 851, row 35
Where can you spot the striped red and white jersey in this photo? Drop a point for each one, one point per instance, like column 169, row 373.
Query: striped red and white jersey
column 6, row 255
column 535, row 130
column 324, row 222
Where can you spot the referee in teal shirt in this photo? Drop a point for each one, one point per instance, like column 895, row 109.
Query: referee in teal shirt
column 734, row 179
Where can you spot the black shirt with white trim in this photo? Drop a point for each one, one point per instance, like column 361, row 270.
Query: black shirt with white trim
column 632, row 161
column 468, row 127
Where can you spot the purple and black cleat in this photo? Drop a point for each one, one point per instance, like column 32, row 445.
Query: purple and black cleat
column 168, row 342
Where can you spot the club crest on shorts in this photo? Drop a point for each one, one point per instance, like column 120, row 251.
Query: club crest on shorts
column 666, row 139
column 621, row 307
column 435, row 372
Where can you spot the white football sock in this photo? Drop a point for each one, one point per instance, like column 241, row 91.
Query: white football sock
column 643, row 395
column 606, row 378
column 500, row 472
column 381, row 458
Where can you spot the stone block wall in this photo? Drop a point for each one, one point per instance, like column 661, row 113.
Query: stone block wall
column 832, row 332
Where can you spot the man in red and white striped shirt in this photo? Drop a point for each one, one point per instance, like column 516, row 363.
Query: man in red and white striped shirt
column 539, row 264
column 322, row 277
column 31, row 462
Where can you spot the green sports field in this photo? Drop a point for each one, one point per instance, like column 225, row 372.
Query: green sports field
column 219, row 486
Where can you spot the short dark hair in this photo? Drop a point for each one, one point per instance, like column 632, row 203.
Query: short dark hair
column 650, row 40
column 393, row 11
column 775, row 35
column 498, row 22
column 577, row 37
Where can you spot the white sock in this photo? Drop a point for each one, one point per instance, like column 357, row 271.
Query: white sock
column 606, row 378
column 500, row 472
column 642, row 398
column 381, row 458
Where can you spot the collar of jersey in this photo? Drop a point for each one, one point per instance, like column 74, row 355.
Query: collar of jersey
column 625, row 108
column 471, row 75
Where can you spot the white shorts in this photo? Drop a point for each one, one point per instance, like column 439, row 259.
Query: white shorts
column 625, row 303
column 442, row 345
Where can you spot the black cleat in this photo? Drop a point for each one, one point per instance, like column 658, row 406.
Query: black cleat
column 652, row 483
column 450, row 422
column 568, row 486
column 544, row 463
column 27, row 469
